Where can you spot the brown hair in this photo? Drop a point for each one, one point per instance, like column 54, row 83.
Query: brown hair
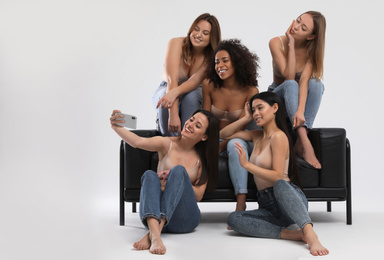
column 315, row 47
column 215, row 38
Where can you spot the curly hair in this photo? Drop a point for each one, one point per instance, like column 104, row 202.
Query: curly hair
column 244, row 62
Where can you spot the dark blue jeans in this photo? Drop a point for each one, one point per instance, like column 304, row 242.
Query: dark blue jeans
column 280, row 206
column 176, row 204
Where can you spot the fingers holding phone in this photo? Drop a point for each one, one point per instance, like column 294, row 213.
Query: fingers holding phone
column 123, row 120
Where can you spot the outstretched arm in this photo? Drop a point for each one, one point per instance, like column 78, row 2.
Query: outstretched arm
column 153, row 144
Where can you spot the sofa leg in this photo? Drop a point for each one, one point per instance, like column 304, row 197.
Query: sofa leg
column 133, row 207
column 329, row 206
column 122, row 213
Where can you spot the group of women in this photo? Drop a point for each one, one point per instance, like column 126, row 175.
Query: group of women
column 210, row 91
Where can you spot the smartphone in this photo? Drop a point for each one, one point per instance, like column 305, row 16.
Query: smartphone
column 130, row 121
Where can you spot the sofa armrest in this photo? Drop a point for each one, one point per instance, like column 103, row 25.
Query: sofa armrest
column 134, row 162
column 330, row 145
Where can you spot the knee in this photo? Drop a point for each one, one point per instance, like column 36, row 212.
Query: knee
column 231, row 146
column 232, row 220
column 315, row 86
column 178, row 172
column 291, row 85
column 149, row 175
column 280, row 185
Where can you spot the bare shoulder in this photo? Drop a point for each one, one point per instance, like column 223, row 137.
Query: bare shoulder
column 207, row 85
column 275, row 42
column 177, row 41
column 252, row 90
column 279, row 137
column 164, row 143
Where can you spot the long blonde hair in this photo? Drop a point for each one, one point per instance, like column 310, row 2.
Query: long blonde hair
column 315, row 47
column 215, row 38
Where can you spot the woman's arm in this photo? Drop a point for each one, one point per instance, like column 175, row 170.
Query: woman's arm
column 207, row 98
column 280, row 148
column 298, row 118
column 233, row 130
column 173, row 59
column 286, row 64
column 154, row 144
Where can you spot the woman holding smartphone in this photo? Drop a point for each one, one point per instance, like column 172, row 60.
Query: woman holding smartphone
column 188, row 165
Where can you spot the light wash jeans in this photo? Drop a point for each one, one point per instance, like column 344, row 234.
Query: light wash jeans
column 177, row 203
column 289, row 92
column 188, row 103
column 280, row 206
column 239, row 175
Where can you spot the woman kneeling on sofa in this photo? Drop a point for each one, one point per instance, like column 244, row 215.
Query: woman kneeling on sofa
column 281, row 202
column 188, row 164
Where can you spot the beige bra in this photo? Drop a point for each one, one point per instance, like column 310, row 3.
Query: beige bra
column 225, row 115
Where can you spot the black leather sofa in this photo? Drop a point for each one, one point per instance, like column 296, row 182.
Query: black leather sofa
column 331, row 183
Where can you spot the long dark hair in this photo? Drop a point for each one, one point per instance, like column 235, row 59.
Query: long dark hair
column 272, row 98
column 245, row 63
column 208, row 151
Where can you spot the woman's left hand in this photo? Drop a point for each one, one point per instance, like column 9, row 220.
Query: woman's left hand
column 163, row 176
column 298, row 119
column 168, row 99
column 242, row 154
column 248, row 112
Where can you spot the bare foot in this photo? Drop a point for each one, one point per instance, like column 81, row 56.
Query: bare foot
column 143, row 244
column 304, row 148
column 295, row 235
column 315, row 247
column 310, row 157
column 157, row 246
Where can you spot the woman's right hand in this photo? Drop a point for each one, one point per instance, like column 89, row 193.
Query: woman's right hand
column 289, row 34
column 114, row 117
column 168, row 99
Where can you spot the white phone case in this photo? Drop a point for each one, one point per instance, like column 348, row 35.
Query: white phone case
column 130, row 121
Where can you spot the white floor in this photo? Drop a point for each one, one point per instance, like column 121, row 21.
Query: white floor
column 85, row 233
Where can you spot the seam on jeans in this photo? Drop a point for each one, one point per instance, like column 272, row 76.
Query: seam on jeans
column 162, row 215
column 144, row 219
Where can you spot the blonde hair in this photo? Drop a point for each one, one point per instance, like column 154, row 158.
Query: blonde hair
column 315, row 47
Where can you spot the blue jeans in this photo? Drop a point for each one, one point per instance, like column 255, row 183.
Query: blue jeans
column 289, row 92
column 176, row 204
column 188, row 103
column 280, row 206
column 239, row 175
